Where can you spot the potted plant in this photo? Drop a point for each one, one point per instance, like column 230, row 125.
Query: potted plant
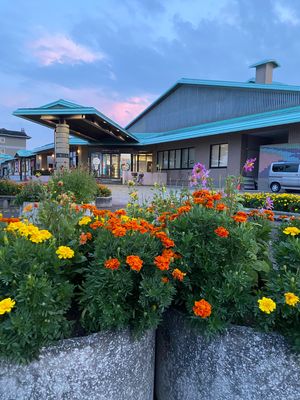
column 214, row 344
column 8, row 191
column 79, row 305
column 103, row 197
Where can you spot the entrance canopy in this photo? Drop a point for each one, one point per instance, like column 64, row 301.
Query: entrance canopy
column 85, row 122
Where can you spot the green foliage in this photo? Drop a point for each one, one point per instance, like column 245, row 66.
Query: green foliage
column 31, row 275
column 9, row 188
column 226, row 272
column 78, row 181
column 282, row 201
column 33, row 191
column 103, row 191
column 124, row 297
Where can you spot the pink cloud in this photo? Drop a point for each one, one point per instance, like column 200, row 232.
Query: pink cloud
column 62, row 50
column 124, row 111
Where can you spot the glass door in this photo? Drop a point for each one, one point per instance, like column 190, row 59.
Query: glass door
column 110, row 166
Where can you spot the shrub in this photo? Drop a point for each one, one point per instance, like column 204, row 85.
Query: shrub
column 103, row 191
column 31, row 275
column 125, row 284
column 33, row 191
column 9, row 188
column 78, row 181
column 282, row 201
column 225, row 258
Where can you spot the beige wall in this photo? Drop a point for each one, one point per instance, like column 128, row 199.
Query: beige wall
column 202, row 154
column 10, row 145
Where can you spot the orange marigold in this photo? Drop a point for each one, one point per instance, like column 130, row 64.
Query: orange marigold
column 202, row 308
column 177, row 274
column 134, row 262
column 220, row 207
column 165, row 279
column 240, row 216
column 162, row 263
column 96, row 224
column 119, row 231
column 112, row 263
column 222, row 232
column 121, row 211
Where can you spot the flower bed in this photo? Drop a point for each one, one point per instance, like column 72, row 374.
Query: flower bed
column 282, row 201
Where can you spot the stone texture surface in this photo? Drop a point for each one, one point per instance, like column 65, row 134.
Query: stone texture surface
column 242, row 364
column 103, row 366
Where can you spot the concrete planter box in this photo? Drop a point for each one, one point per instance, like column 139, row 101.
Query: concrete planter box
column 6, row 201
column 242, row 364
column 102, row 366
column 103, row 202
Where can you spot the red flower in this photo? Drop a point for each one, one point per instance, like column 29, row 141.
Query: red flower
column 202, row 309
column 112, row 263
column 222, row 232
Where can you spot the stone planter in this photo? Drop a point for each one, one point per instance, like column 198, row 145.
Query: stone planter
column 102, row 366
column 6, row 201
column 103, row 202
column 242, row 364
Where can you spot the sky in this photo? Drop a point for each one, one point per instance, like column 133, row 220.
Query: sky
column 120, row 55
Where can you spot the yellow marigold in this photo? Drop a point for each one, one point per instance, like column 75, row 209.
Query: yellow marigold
column 45, row 234
column 291, row 299
column 65, row 252
column 14, row 226
column 85, row 220
column 266, row 305
column 291, row 230
column 6, row 305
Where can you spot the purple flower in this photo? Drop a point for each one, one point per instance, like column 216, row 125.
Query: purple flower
column 200, row 173
column 269, row 204
column 249, row 165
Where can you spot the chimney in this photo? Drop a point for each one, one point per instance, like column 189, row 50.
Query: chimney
column 264, row 71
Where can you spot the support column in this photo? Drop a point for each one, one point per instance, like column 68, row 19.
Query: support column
column 62, row 147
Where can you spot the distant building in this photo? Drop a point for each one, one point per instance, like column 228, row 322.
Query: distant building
column 218, row 123
column 12, row 141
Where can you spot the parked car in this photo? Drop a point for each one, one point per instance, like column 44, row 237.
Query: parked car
column 284, row 175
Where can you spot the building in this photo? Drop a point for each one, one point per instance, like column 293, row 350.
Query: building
column 218, row 123
column 12, row 141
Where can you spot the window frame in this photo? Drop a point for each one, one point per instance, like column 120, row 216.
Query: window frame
column 219, row 154
column 161, row 167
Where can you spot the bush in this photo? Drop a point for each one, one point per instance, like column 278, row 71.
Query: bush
column 103, row 191
column 282, row 201
column 9, row 188
column 33, row 191
column 31, row 275
column 78, row 181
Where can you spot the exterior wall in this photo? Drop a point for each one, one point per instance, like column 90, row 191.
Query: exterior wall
column 277, row 152
column 10, row 145
column 294, row 134
column 83, row 156
column 202, row 154
column 191, row 105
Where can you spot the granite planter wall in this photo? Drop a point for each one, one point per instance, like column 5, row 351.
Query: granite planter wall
column 103, row 202
column 242, row 364
column 102, row 366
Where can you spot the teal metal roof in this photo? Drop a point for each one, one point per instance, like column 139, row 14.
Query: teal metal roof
column 5, row 158
column 82, row 117
column 257, row 64
column 73, row 142
column 24, row 153
column 214, row 83
column 249, row 122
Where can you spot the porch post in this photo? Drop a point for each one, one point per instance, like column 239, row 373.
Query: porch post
column 62, row 147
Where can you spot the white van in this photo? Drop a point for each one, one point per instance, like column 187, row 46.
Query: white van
column 284, row 175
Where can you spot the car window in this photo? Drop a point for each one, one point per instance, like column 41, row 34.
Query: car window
column 291, row 167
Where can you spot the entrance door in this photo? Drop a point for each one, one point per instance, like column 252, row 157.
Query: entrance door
column 110, row 166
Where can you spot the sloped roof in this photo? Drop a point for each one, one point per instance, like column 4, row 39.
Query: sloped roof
column 249, row 122
column 215, row 83
column 24, row 153
column 86, row 122
column 73, row 142
column 5, row 157
column 8, row 132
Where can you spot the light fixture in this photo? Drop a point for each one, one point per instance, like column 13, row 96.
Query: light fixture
column 78, row 151
column 52, row 155
column 40, row 157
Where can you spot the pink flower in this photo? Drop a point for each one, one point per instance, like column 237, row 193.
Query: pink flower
column 249, row 165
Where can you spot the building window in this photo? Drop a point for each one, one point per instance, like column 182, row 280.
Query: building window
column 176, row 159
column 2, row 139
column 219, row 155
